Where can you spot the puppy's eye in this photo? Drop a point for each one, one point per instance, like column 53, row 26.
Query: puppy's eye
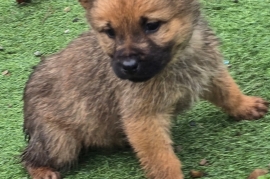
column 152, row 27
column 110, row 32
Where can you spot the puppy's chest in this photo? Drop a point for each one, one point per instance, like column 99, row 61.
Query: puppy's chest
column 181, row 87
column 181, row 95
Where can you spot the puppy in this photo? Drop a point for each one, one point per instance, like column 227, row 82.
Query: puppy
column 143, row 62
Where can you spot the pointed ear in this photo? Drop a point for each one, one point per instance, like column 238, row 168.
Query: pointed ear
column 87, row 4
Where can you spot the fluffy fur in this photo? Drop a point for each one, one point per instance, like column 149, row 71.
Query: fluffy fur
column 73, row 99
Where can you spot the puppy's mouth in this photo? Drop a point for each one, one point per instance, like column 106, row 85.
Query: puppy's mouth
column 138, row 71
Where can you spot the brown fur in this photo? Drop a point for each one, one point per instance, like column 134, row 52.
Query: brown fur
column 43, row 172
column 73, row 99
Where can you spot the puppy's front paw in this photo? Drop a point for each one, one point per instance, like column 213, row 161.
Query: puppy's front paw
column 251, row 108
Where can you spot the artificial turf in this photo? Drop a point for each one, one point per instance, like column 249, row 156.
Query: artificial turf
column 233, row 149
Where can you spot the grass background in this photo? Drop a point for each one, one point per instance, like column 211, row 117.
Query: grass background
column 233, row 149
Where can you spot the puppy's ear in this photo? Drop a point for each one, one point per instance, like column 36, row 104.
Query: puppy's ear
column 87, row 4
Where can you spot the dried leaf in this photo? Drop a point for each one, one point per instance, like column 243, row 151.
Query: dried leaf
column 5, row 73
column 196, row 174
column 37, row 53
column 203, row 162
column 256, row 173
column 67, row 9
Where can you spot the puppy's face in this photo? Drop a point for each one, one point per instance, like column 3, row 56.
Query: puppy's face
column 141, row 36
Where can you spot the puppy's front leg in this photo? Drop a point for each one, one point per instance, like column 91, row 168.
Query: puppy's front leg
column 225, row 93
column 150, row 138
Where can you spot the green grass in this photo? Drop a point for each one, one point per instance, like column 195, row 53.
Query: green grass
column 233, row 149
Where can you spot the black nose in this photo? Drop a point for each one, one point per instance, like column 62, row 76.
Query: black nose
column 130, row 65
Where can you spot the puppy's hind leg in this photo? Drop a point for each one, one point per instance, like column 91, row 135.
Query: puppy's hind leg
column 43, row 173
column 225, row 93
column 48, row 152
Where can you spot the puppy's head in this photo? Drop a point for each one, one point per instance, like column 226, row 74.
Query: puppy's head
column 141, row 36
